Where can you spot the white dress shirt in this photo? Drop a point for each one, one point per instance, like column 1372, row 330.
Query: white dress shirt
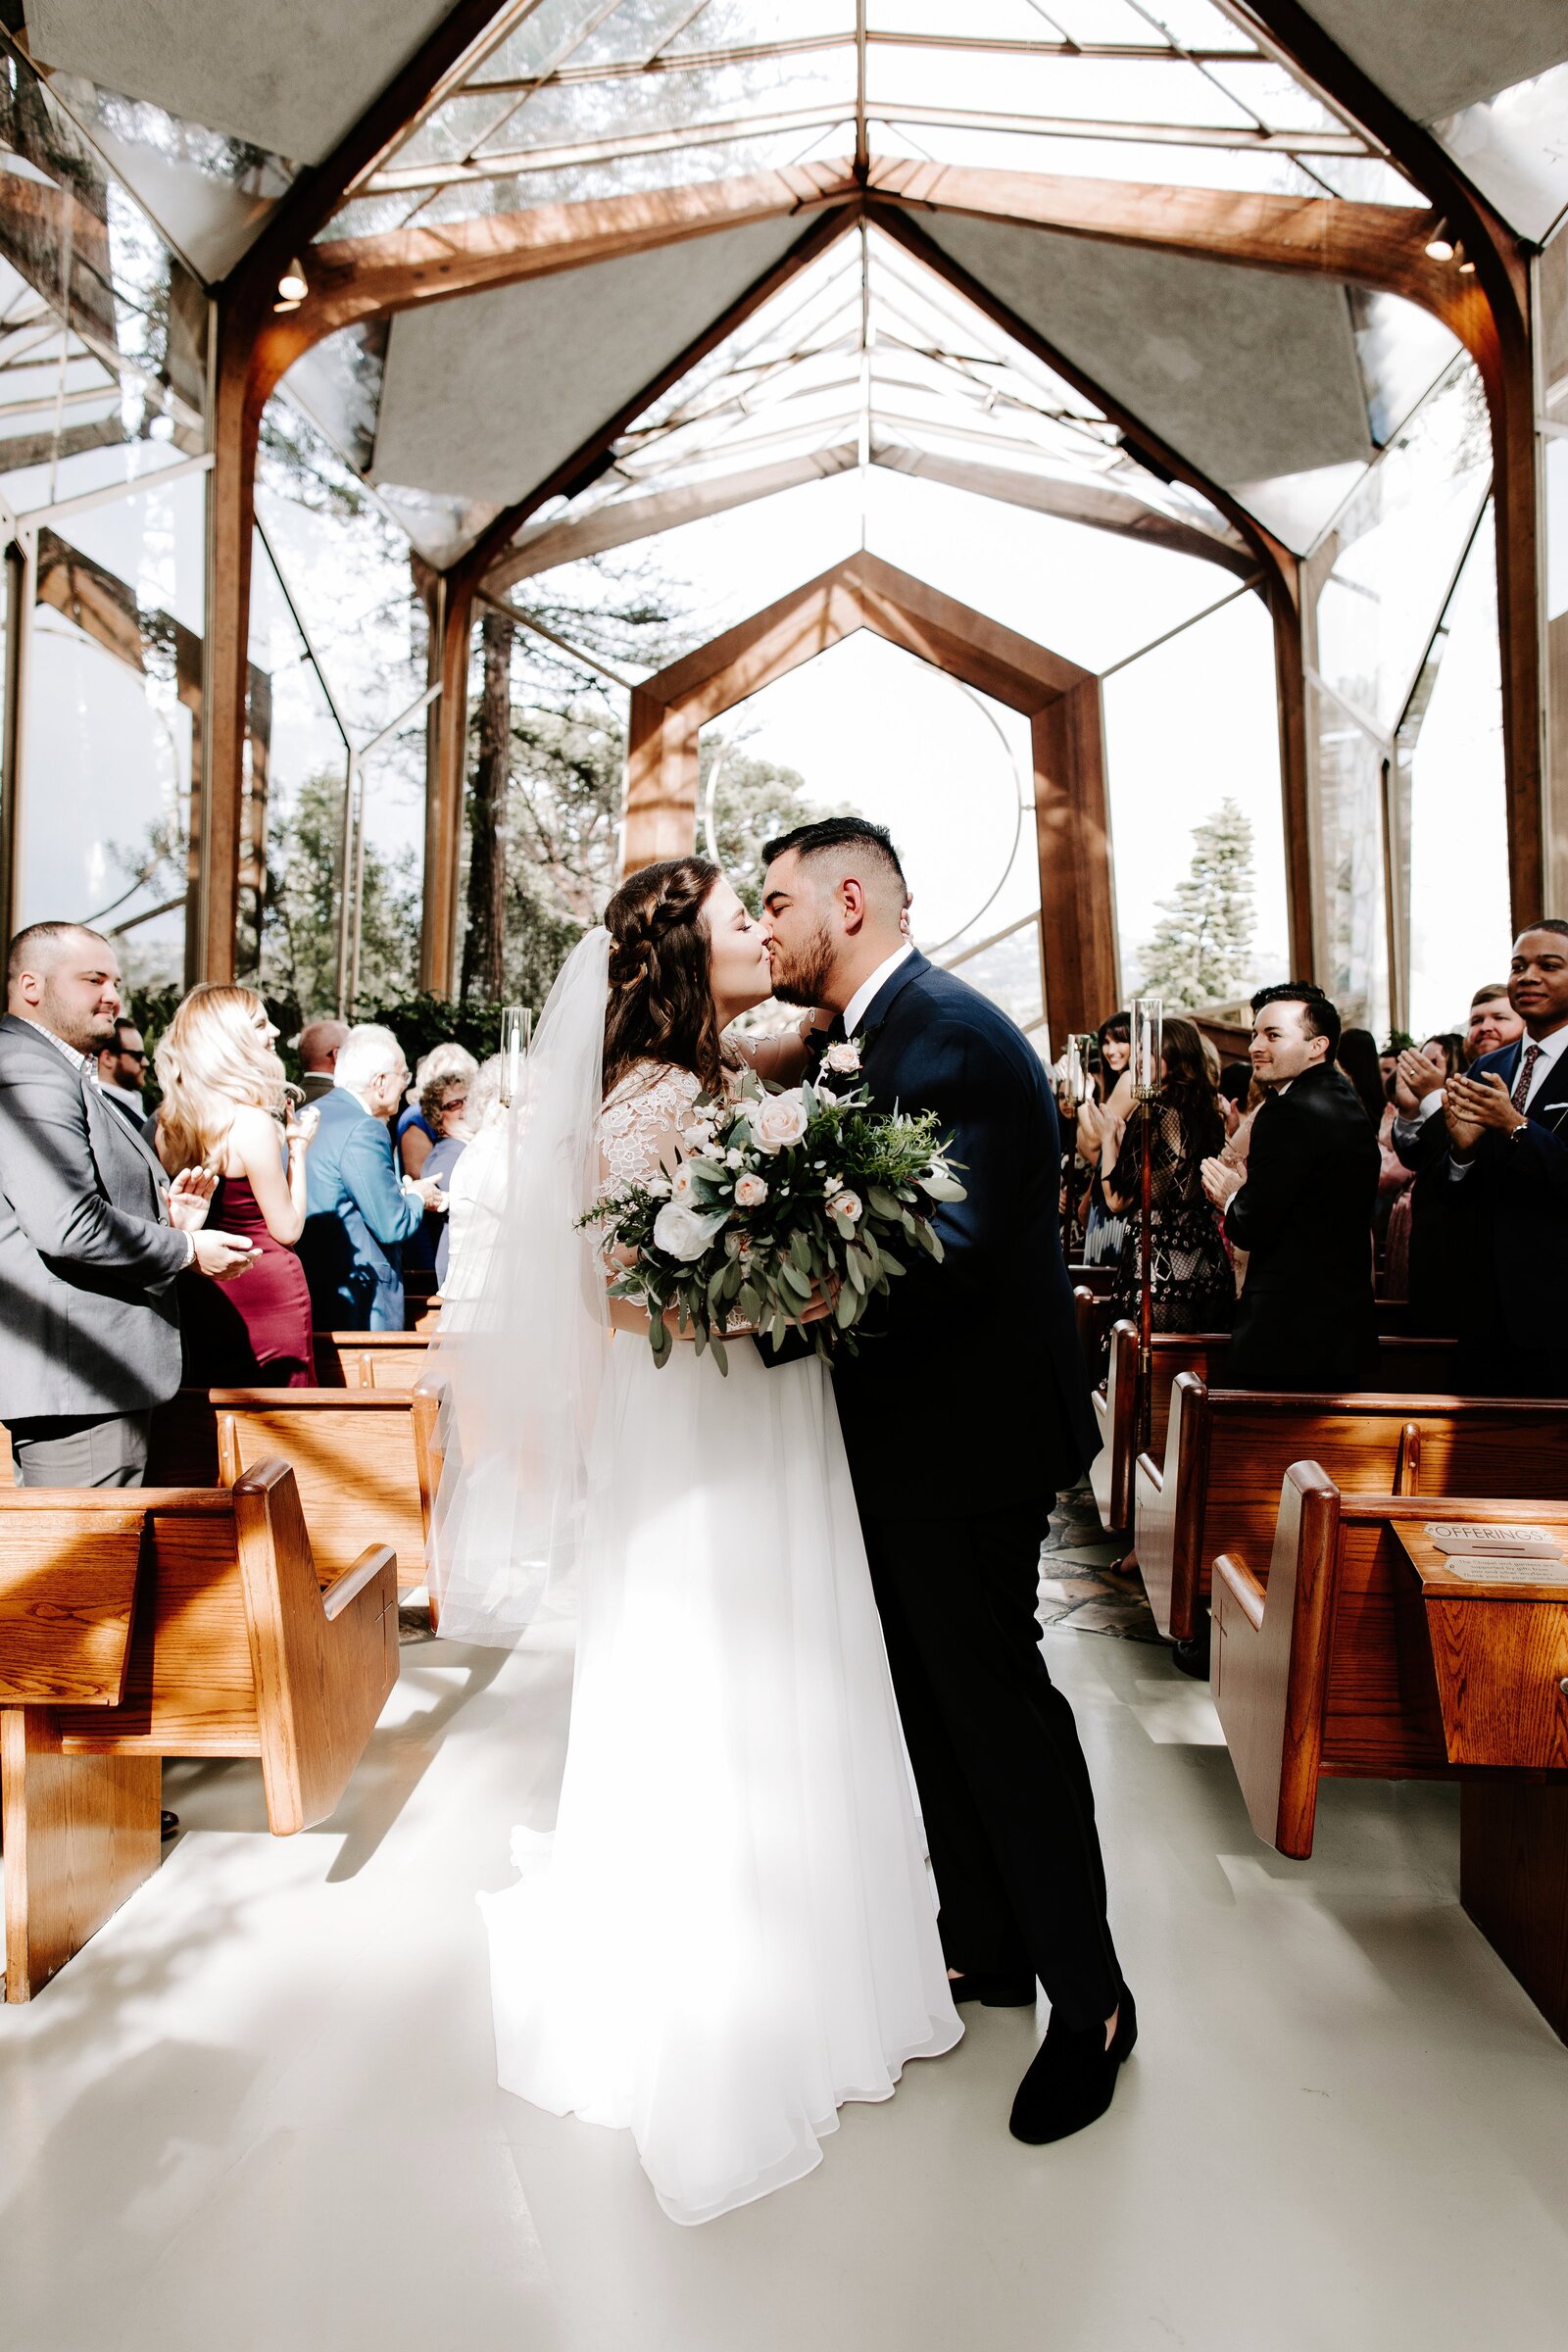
column 859, row 1005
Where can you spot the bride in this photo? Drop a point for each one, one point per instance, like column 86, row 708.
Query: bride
column 731, row 1931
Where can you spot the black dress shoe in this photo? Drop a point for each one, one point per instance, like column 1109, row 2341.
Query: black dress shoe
column 1073, row 2078
column 994, row 1989
column 168, row 1825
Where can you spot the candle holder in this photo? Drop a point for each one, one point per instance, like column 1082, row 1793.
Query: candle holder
column 1148, row 1038
column 1080, row 1049
column 516, row 1036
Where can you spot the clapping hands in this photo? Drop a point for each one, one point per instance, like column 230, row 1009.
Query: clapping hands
column 1222, row 1181
column 1472, row 1106
column 1416, row 1075
column 189, row 1197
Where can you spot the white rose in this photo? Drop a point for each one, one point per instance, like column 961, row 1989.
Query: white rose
column 682, row 1232
column 750, row 1192
column 659, row 1186
column 681, row 1185
column 779, row 1122
column 734, row 1159
column 843, row 1205
column 697, row 1138
column 844, row 1058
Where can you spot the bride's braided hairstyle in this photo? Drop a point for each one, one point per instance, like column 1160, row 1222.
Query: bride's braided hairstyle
column 660, row 992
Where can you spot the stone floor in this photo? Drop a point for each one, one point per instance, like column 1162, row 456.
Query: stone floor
column 1082, row 1586
column 259, row 2112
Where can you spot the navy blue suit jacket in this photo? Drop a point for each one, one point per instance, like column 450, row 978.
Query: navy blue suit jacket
column 969, row 1393
column 357, row 1218
column 1514, row 1207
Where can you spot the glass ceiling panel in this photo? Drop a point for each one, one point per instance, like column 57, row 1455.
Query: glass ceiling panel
column 578, row 90
column 870, row 361
column 1515, row 149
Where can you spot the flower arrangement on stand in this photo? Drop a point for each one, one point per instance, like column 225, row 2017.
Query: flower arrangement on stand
column 781, row 1197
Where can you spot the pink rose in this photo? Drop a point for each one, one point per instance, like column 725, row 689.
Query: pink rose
column 778, row 1122
column 750, row 1192
column 846, row 1205
column 844, row 1058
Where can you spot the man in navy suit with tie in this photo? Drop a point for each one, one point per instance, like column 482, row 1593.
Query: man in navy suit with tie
column 1507, row 1174
column 965, row 1413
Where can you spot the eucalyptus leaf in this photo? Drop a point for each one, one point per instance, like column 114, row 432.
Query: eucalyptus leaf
column 846, row 1307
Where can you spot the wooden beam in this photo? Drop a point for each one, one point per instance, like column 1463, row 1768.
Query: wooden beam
column 373, row 278
column 1061, row 700
column 1281, row 593
column 1316, row 236
column 317, row 193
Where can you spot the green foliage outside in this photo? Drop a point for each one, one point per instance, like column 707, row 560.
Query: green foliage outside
column 1199, row 951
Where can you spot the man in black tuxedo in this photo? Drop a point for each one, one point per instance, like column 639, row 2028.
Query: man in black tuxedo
column 1303, row 1209
column 965, row 1413
column 1506, row 1178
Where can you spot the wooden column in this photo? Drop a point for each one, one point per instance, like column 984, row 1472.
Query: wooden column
column 1282, row 593
column 1552, row 335
column 1072, row 822
column 230, row 523
column 662, row 778
column 451, row 624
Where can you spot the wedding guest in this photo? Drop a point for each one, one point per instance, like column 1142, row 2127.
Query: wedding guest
column 417, row 1138
column 92, row 1235
column 1359, row 1060
column 320, row 1041
column 444, row 1107
column 358, row 1213
column 1507, row 1173
column 477, row 1187
column 1192, row 1287
column 225, row 1108
column 1303, row 1207
column 1100, row 1126
column 1492, row 1022
column 123, row 1072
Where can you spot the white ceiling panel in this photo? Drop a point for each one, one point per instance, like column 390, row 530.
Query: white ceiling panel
column 291, row 75
column 487, row 395
column 1249, row 373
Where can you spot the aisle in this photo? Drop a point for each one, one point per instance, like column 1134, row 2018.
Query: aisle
column 257, row 2115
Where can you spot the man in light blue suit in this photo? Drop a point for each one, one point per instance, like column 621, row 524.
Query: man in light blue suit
column 359, row 1211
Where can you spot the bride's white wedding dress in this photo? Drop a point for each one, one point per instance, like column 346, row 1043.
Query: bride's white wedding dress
column 731, row 1931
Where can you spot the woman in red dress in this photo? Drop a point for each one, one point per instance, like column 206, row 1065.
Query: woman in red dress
column 226, row 1108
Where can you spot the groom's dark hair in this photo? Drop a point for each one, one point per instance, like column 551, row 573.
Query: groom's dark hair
column 838, row 833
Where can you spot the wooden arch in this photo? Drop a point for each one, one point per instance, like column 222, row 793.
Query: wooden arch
column 1061, row 701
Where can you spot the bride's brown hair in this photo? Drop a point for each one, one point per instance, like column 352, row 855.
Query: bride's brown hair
column 660, row 990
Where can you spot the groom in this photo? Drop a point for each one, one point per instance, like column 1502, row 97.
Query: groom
column 963, row 1416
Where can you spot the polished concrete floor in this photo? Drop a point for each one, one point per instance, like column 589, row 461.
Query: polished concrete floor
column 257, row 2113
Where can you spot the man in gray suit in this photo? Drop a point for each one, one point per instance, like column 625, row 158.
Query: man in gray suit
column 91, row 1233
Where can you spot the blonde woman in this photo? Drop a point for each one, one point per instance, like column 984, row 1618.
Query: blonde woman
column 226, row 1109
column 417, row 1134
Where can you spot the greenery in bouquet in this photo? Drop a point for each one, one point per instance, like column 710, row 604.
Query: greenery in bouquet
column 781, row 1196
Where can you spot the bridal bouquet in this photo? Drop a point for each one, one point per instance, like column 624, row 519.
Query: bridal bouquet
column 781, row 1195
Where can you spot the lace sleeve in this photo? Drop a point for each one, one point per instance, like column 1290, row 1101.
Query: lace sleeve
column 641, row 1122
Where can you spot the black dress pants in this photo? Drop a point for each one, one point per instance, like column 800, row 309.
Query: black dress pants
column 1009, row 1813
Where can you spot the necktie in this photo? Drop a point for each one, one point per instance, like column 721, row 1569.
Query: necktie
column 1527, row 1070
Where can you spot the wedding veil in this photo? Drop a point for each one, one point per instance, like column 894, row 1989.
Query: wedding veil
column 520, row 1351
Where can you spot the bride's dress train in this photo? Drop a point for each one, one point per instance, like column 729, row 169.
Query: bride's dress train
column 731, row 1929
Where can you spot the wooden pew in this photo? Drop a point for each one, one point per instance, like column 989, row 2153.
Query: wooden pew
column 351, row 1450
column 1217, row 1485
column 369, row 1359
column 167, row 1623
column 1405, row 1366
column 366, row 1359
column 1364, row 1655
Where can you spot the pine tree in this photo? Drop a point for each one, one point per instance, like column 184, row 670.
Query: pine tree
column 1198, row 952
